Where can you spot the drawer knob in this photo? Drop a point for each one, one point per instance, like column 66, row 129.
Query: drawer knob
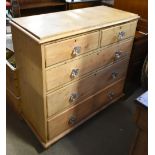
column 76, row 51
column 73, row 97
column 72, row 120
column 74, row 73
column 111, row 95
column 117, row 55
column 121, row 35
column 114, row 75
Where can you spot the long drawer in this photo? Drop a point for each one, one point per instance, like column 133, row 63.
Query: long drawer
column 71, row 117
column 118, row 33
column 79, row 90
column 70, row 48
column 64, row 73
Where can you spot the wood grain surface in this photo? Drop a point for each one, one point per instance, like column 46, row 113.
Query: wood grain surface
column 61, row 74
column 60, row 99
column 61, row 122
column 47, row 27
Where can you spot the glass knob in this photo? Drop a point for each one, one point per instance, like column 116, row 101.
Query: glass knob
column 73, row 97
column 76, row 51
column 114, row 75
column 74, row 73
column 111, row 95
column 72, row 120
column 117, row 55
column 121, row 35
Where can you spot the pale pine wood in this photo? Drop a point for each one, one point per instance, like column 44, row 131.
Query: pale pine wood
column 13, row 100
column 59, row 75
column 110, row 35
column 29, row 66
column 60, row 99
column 133, row 26
column 59, row 123
column 12, row 87
column 12, row 82
column 43, row 45
column 47, row 27
column 53, row 140
column 62, row 50
column 25, row 32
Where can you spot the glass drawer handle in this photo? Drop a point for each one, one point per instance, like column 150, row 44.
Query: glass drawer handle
column 121, row 35
column 118, row 55
column 114, row 75
column 74, row 73
column 76, row 51
column 111, row 95
column 72, row 120
column 73, row 97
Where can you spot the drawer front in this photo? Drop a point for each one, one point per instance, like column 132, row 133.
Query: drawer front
column 71, row 48
column 64, row 73
column 71, row 117
column 118, row 33
column 79, row 90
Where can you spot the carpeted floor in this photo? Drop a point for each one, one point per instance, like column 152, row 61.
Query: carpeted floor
column 111, row 132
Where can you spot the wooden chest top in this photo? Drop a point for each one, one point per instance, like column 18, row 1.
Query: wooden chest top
column 48, row 27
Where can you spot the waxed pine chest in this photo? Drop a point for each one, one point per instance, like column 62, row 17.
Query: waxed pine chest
column 71, row 65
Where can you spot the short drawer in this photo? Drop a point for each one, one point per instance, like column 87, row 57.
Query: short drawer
column 118, row 33
column 71, row 118
column 79, row 90
column 70, row 48
column 59, row 75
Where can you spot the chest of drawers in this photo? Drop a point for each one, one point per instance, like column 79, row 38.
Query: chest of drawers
column 71, row 65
